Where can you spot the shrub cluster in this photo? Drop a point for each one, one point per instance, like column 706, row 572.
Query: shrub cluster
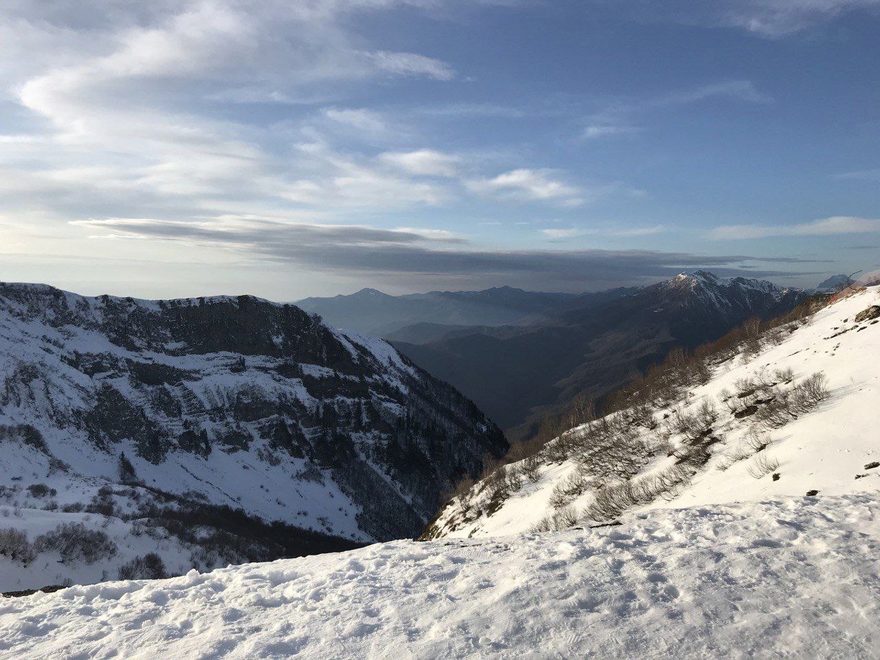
column 76, row 542
column 148, row 567
column 14, row 544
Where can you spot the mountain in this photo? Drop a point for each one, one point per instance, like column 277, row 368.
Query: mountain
column 732, row 503
column 376, row 313
column 834, row 284
column 517, row 375
column 210, row 430
column 787, row 414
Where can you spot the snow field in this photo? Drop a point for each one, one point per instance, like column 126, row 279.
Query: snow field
column 796, row 577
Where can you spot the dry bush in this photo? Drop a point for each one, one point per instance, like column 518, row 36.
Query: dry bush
column 787, row 405
column 531, row 468
column 148, row 567
column 569, row 488
column 75, row 542
column 562, row 519
column 611, row 501
column 784, row 376
column 762, row 465
column 14, row 544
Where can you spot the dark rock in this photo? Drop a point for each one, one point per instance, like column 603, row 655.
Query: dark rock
column 812, row 493
column 872, row 465
column 872, row 312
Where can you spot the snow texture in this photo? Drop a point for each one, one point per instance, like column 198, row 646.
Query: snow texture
column 795, row 577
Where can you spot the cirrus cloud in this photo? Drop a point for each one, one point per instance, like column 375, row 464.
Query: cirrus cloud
column 825, row 227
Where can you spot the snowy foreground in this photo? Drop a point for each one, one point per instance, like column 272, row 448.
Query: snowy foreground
column 794, row 577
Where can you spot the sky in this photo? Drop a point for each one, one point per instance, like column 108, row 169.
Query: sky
column 290, row 149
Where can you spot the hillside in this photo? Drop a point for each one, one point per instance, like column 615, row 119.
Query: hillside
column 209, row 431
column 787, row 414
column 791, row 578
column 520, row 375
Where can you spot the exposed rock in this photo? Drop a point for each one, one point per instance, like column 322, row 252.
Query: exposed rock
column 869, row 314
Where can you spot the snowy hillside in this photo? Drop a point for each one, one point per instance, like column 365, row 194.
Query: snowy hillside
column 786, row 414
column 209, row 431
column 795, row 578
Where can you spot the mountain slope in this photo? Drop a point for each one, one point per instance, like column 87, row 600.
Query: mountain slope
column 520, row 375
column 792, row 578
column 759, row 424
column 186, row 427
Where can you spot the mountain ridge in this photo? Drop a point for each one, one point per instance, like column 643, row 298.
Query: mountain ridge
column 142, row 412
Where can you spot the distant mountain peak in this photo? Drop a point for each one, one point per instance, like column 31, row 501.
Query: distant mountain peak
column 834, row 284
column 367, row 291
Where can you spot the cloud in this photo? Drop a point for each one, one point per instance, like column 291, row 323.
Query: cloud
column 826, row 227
column 778, row 18
column 460, row 110
column 765, row 18
column 860, row 175
column 530, row 185
column 620, row 118
column 423, row 162
column 360, row 119
column 557, row 234
column 411, row 64
column 621, row 232
column 422, row 257
column 596, row 131
column 740, row 90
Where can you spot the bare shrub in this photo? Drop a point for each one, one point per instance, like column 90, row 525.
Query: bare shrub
column 14, row 544
column 789, row 404
column 756, row 441
column 784, row 375
column 762, row 465
column 41, row 490
column 571, row 487
column 531, row 468
column 811, row 392
column 562, row 519
column 611, row 501
column 148, row 567
column 75, row 542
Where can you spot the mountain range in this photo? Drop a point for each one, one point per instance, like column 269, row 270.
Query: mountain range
column 520, row 374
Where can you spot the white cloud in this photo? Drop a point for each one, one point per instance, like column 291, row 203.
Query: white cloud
column 423, row 162
column 741, row 90
column 860, row 175
column 530, row 185
column 776, row 18
column 411, row 64
column 824, row 227
column 764, row 18
column 556, row 234
column 358, row 118
column 612, row 232
column 115, row 95
column 601, row 130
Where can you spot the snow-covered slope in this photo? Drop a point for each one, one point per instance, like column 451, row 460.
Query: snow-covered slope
column 184, row 428
column 791, row 578
column 761, row 426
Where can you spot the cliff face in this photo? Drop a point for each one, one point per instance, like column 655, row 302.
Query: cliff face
column 232, row 402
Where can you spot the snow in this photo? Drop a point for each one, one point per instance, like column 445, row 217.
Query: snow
column 294, row 491
column 794, row 577
column 822, row 450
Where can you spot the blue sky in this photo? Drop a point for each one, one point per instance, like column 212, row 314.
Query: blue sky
column 311, row 148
